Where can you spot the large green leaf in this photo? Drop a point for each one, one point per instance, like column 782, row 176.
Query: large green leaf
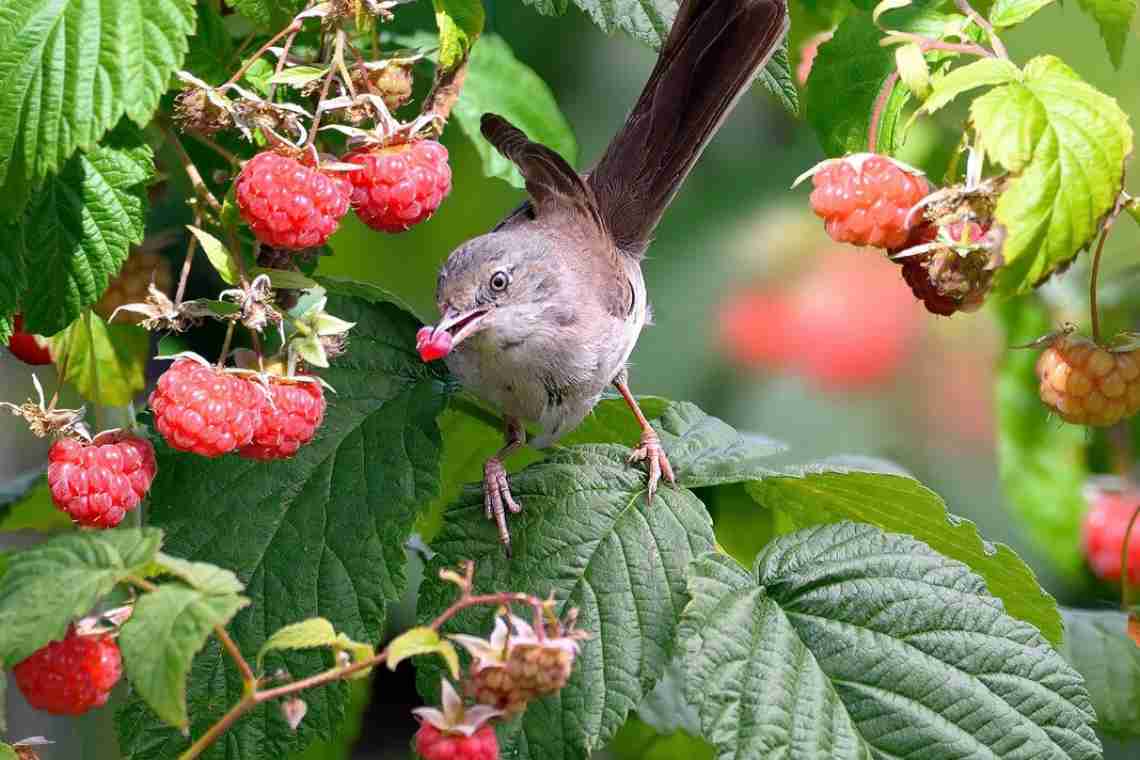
column 1113, row 17
column 269, row 13
column 980, row 73
column 902, row 504
column 13, row 276
column 105, row 363
column 497, row 82
column 587, row 536
column 321, row 535
column 79, row 227
column 1066, row 142
column 460, row 23
column 159, row 641
column 1010, row 12
column 1097, row 645
column 47, row 586
column 847, row 642
column 71, row 69
column 1042, row 462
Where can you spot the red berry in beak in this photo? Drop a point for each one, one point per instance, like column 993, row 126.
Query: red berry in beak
column 433, row 345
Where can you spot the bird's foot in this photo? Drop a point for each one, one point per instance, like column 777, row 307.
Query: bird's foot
column 497, row 499
column 649, row 450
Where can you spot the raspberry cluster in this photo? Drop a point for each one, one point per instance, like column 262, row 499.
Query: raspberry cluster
column 864, row 199
column 1086, row 384
column 399, row 186
column 290, row 205
column 72, row 676
column 289, row 420
column 204, row 410
column 97, row 483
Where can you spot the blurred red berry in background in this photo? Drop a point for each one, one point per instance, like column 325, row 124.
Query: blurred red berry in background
column 1111, row 504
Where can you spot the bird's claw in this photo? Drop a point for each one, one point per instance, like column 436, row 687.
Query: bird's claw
column 497, row 499
column 649, row 450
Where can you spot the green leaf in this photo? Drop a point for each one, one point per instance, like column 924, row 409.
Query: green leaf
column 1113, row 17
column 847, row 642
column 79, row 227
column 981, row 73
column 306, row 634
column 902, row 504
column 1067, row 143
column 1005, row 13
column 587, row 536
column 1097, row 645
column 285, row 279
column 219, row 256
column 51, row 584
column 422, row 640
column 25, row 504
column 71, row 69
column 167, row 628
column 1041, row 462
column 105, row 363
column 298, row 76
column 497, row 82
column 320, row 535
column 777, row 79
column 849, row 71
column 7, row 752
column 13, row 276
column 460, row 23
column 211, row 50
column 647, row 21
column 269, row 13
column 200, row 575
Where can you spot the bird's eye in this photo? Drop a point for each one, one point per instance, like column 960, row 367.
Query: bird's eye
column 499, row 281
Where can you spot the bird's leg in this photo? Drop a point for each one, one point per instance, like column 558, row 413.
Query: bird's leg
column 496, row 491
column 649, row 449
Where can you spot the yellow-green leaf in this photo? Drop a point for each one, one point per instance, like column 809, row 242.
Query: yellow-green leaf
column 220, row 257
column 980, row 73
column 106, row 363
column 307, row 634
column 422, row 640
column 460, row 24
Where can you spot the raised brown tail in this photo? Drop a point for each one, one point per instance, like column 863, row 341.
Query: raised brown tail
column 714, row 51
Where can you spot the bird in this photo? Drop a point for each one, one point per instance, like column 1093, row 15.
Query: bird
column 539, row 316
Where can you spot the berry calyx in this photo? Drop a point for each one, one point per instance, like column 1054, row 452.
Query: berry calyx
column 97, row 483
column 132, row 285
column 28, row 347
column 72, row 676
column 205, row 410
column 399, row 186
column 1110, row 508
column 864, row 199
column 951, row 268
column 290, row 418
column 290, row 205
column 456, row 732
column 1086, row 384
column 433, row 344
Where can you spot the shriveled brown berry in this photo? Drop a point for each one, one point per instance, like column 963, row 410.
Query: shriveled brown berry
column 1089, row 385
column 195, row 112
column 956, row 271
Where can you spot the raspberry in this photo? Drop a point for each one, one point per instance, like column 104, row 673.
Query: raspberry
column 132, row 285
column 433, row 744
column 204, row 410
column 288, row 204
column 756, row 328
column 288, row 422
column 954, row 275
column 864, row 199
column 433, row 345
column 531, row 671
column 399, row 186
column 72, row 676
column 1103, row 528
column 1087, row 385
column 28, row 347
column 97, row 483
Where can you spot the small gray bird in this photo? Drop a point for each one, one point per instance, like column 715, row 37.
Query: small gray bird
column 544, row 310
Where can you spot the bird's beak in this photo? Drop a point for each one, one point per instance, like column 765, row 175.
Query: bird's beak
column 461, row 324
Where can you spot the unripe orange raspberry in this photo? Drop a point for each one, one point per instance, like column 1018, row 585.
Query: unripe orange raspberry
column 1089, row 385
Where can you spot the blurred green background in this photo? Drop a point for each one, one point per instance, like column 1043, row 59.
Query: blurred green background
column 735, row 231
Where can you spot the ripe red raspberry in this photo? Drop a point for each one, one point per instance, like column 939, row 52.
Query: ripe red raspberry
column 97, row 483
column 433, row 744
column 864, row 199
column 132, row 285
column 399, row 186
column 204, row 410
column 1087, row 385
column 1103, row 528
column 28, row 347
column 288, row 204
column 431, row 344
column 72, row 676
column 288, row 422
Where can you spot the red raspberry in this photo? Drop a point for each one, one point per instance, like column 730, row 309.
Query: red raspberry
column 399, row 186
column 864, row 199
column 1103, row 528
column 203, row 410
column 70, row 677
column 97, row 483
column 433, row 744
column 288, row 422
column 28, row 347
column 288, row 204
column 756, row 328
column 1087, row 385
column 433, row 345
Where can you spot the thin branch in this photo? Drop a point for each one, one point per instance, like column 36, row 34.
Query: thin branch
column 973, row 15
column 247, row 676
column 335, row 63
column 1125, row 579
column 293, row 28
column 184, row 275
column 282, row 61
column 1094, row 312
column 877, row 111
column 192, row 173
column 232, row 158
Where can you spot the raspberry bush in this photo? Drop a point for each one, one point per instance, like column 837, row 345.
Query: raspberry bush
column 263, row 453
